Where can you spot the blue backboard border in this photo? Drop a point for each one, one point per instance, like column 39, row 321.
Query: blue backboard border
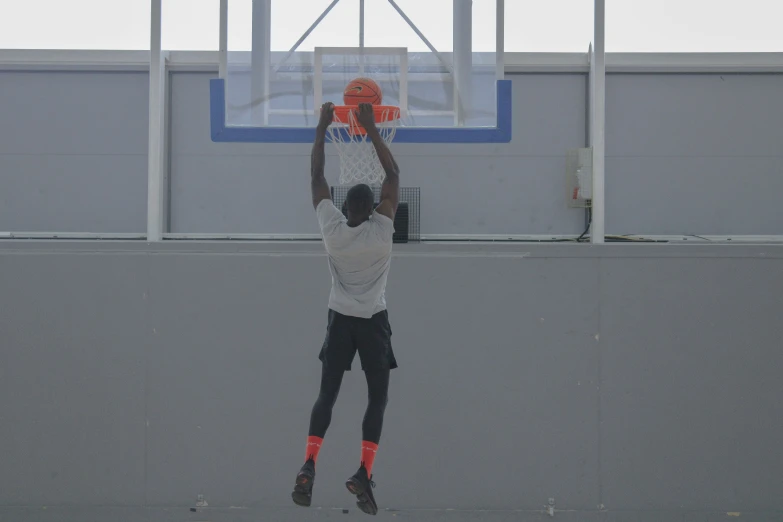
column 222, row 133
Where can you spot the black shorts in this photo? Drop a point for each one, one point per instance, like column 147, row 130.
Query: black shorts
column 346, row 335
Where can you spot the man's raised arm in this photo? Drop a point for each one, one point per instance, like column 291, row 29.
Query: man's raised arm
column 390, row 190
column 318, row 185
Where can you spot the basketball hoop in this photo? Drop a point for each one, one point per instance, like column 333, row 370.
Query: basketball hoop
column 359, row 162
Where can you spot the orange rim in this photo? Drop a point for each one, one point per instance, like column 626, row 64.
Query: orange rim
column 383, row 114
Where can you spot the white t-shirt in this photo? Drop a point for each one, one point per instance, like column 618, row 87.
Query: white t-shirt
column 359, row 260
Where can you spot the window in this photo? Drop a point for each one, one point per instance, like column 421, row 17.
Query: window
column 75, row 24
column 549, row 26
column 531, row 25
column 694, row 26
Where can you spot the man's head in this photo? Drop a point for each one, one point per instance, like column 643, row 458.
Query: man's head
column 359, row 203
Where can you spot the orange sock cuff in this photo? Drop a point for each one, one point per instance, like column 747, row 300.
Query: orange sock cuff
column 313, row 447
column 369, row 449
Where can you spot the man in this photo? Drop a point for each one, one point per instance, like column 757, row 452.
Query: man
column 359, row 251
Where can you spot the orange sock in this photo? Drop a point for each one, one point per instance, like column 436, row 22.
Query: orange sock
column 313, row 447
column 369, row 449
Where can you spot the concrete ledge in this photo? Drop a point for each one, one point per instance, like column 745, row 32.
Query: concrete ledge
column 467, row 249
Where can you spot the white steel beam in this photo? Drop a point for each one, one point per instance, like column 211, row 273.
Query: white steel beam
column 577, row 63
column 500, row 40
column 421, row 36
column 223, row 41
column 260, row 66
column 306, row 34
column 361, row 37
column 361, row 24
column 598, row 122
column 463, row 58
column 156, row 169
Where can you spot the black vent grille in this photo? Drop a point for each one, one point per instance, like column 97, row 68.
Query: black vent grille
column 407, row 221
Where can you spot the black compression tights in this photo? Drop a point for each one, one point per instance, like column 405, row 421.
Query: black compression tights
column 377, row 390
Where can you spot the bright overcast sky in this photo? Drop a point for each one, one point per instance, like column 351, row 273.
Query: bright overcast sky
column 531, row 25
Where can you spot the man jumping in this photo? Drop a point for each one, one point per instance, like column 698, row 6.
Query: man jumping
column 359, row 251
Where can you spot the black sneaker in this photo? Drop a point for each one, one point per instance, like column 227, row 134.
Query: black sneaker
column 303, row 490
column 361, row 485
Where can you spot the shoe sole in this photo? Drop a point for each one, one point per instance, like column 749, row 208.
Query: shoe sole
column 302, row 494
column 363, row 501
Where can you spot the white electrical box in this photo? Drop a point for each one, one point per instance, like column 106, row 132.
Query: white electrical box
column 579, row 175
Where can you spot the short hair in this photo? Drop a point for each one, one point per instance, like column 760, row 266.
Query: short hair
column 360, row 200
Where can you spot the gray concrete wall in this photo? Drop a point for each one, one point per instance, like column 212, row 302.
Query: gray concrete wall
column 686, row 154
column 626, row 381
column 73, row 151
column 691, row 152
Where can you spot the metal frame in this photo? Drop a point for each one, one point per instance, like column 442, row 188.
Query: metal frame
column 361, row 25
column 222, row 133
column 598, row 122
column 515, row 62
column 463, row 58
column 306, row 34
column 261, row 59
column 421, row 36
column 500, row 39
column 157, row 195
column 223, row 40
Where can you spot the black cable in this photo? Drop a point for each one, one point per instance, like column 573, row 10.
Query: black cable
column 623, row 239
column 589, row 222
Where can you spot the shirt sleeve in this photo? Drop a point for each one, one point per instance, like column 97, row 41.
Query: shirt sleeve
column 385, row 226
column 329, row 218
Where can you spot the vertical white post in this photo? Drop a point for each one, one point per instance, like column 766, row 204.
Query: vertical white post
column 500, row 40
column 361, row 24
column 156, row 172
column 223, row 43
column 404, row 85
column 590, row 97
column 598, row 121
column 361, row 37
column 260, row 60
column 463, row 59
column 318, row 80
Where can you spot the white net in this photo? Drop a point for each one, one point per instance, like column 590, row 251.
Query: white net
column 359, row 162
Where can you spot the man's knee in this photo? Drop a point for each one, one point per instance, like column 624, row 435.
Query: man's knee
column 327, row 398
column 379, row 398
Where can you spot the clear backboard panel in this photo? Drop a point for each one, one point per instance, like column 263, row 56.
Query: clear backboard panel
column 438, row 60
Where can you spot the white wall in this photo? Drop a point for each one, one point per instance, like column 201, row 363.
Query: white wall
column 694, row 154
column 73, row 151
column 516, row 188
column 686, row 154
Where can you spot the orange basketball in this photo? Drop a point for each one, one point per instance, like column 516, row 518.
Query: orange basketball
column 362, row 90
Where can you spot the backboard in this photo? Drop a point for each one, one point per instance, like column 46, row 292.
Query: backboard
column 440, row 61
